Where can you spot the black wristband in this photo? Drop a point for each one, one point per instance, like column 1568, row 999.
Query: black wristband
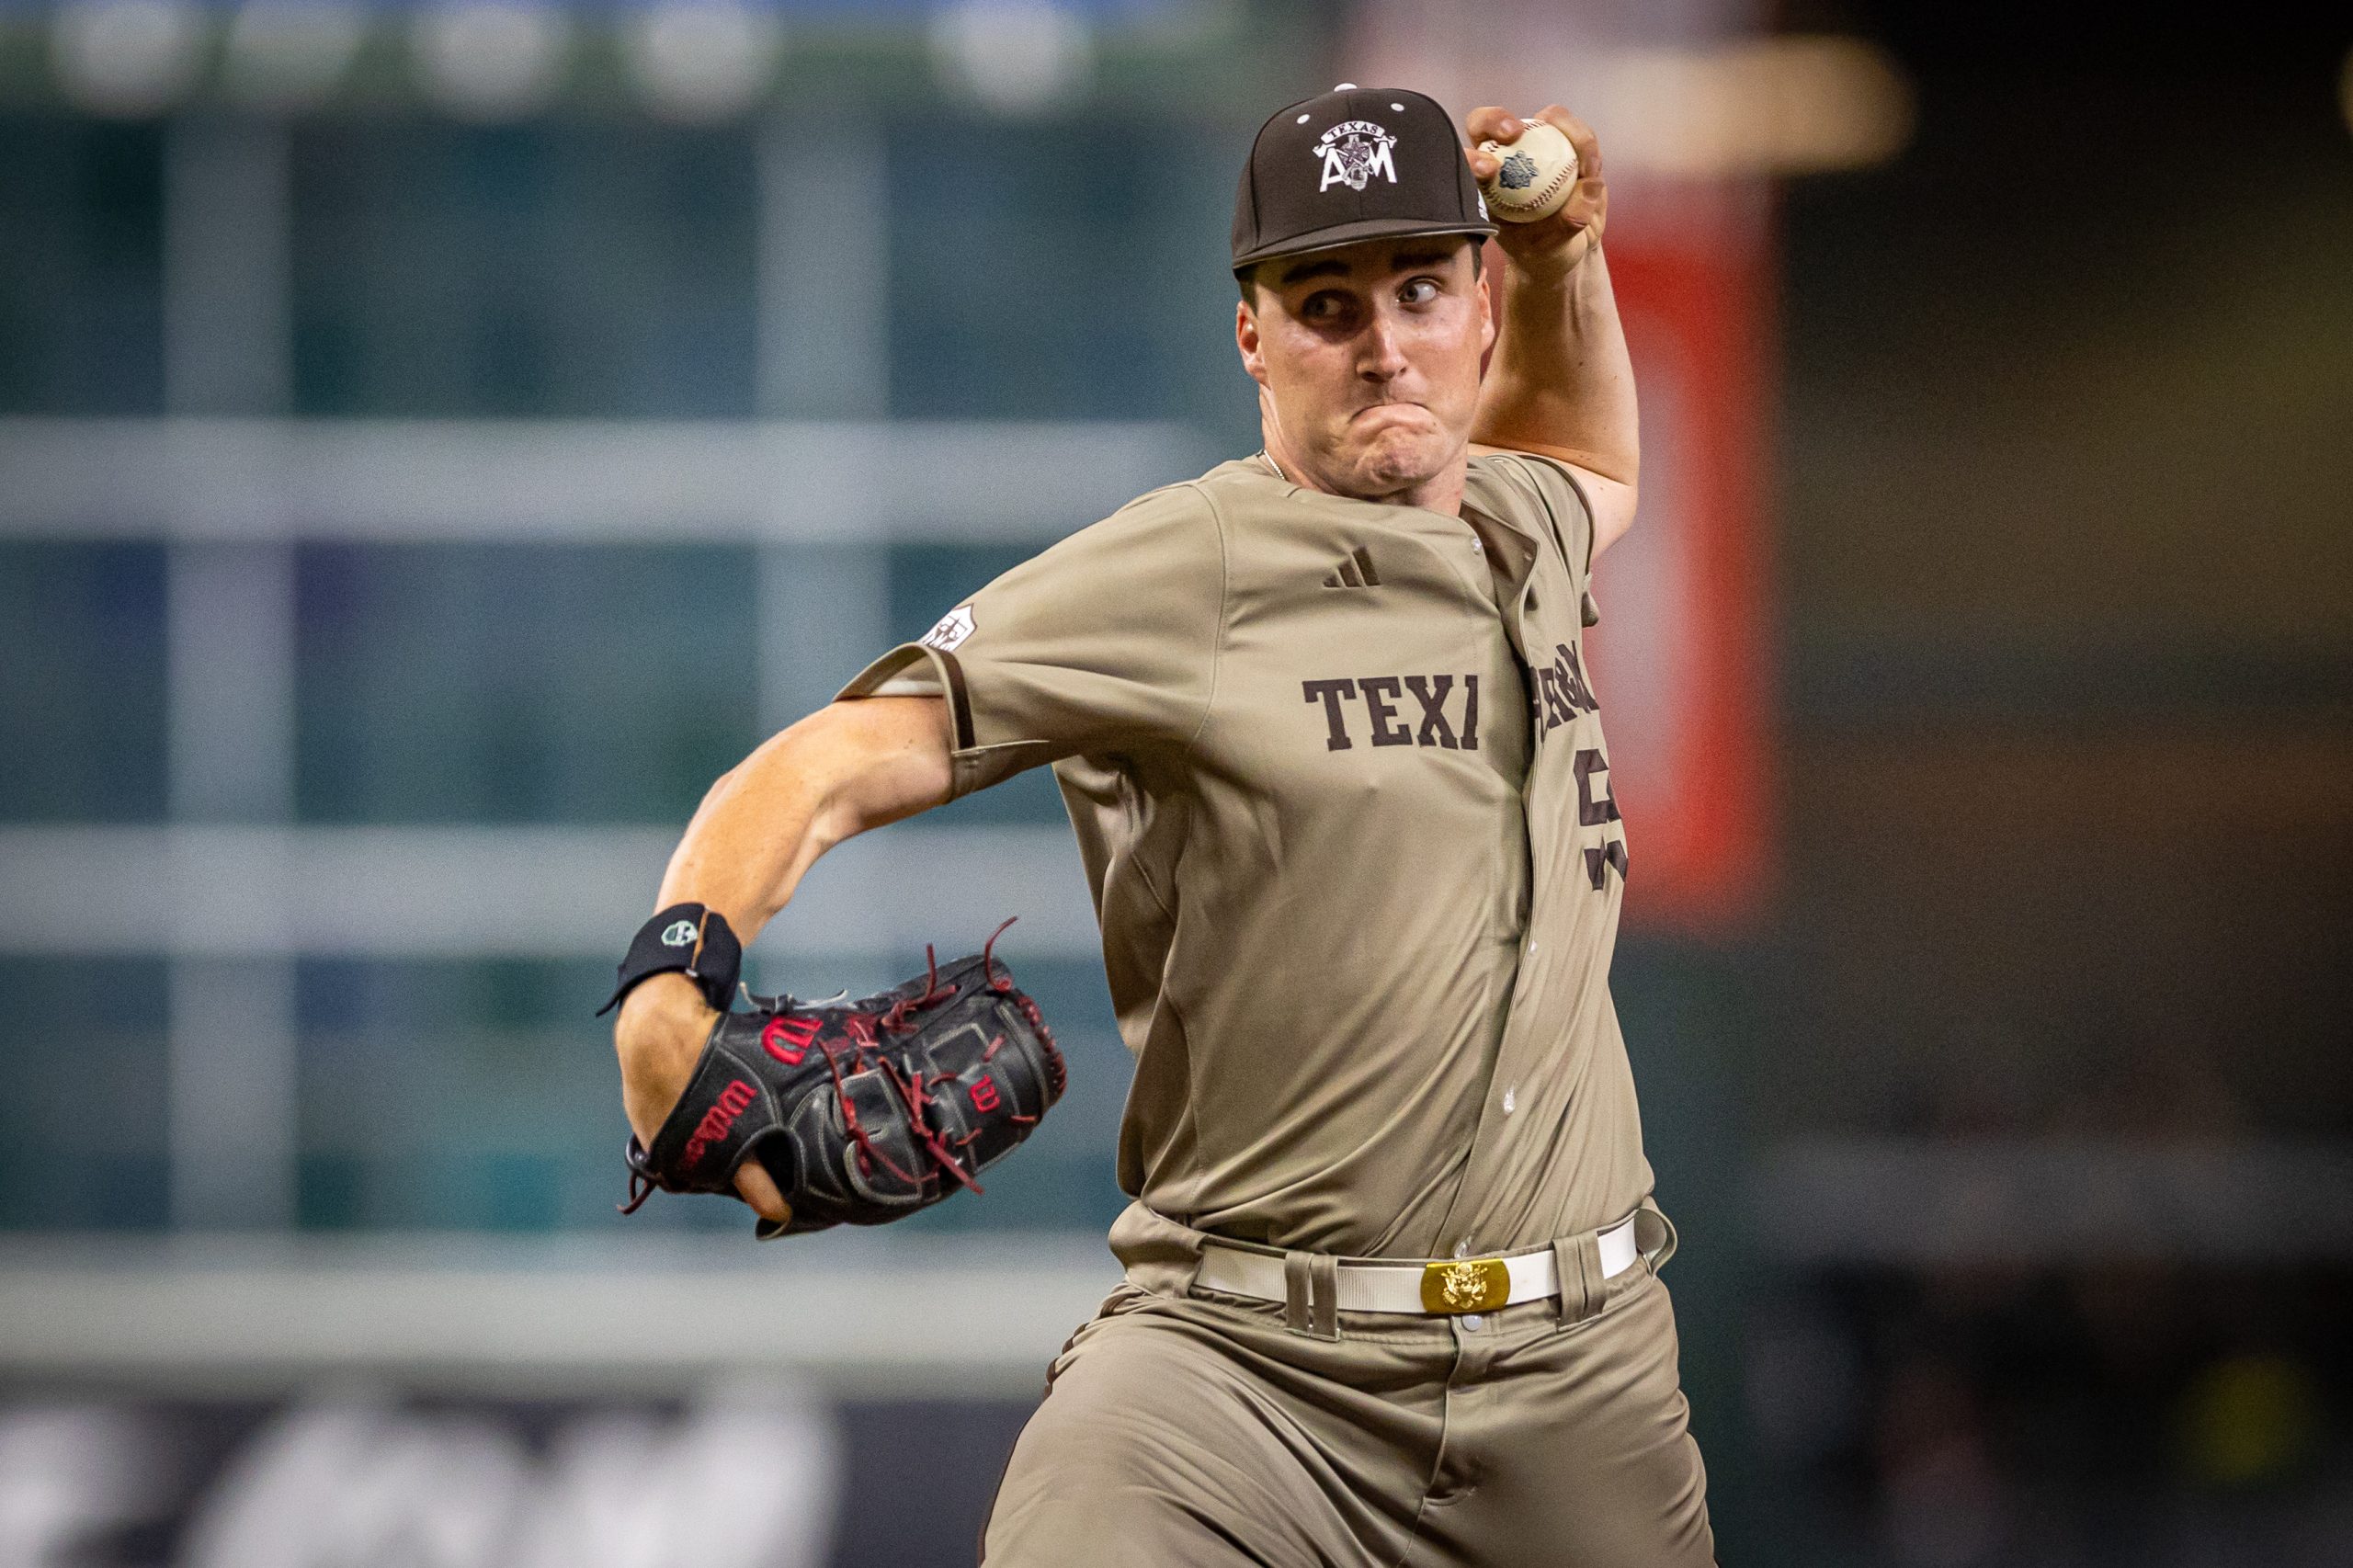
column 688, row 938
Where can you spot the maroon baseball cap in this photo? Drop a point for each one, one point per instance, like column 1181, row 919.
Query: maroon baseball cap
column 1354, row 163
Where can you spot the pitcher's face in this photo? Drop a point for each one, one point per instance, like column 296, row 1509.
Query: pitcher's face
column 1367, row 358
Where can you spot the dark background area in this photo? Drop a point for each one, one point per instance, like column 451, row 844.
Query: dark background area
column 2067, row 523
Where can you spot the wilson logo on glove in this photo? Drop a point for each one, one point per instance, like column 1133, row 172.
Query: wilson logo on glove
column 789, row 1039
column 734, row 1101
column 874, row 1108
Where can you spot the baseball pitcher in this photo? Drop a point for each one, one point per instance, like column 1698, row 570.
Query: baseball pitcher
column 1334, row 760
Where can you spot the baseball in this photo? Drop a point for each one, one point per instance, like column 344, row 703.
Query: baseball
column 1538, row 171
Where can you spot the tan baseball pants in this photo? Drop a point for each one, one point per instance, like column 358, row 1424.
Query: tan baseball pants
column 1189, row 1430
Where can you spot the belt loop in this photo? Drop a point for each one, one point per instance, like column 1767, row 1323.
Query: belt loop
column 1654, row 1234
column 1577, row 1260
column 1323, row 1310
column 1295, row 1290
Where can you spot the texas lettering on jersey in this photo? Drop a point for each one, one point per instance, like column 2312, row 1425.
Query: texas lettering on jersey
column 1561, row 692
column 1388, row 720
column 1375, row 707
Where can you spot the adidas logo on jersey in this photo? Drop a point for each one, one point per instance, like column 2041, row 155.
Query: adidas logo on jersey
column 1355, row 571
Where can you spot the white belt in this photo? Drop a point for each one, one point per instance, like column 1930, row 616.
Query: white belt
column 1450, row 1286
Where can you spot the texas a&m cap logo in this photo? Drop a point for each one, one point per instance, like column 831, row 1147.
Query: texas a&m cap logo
column 1353, row 152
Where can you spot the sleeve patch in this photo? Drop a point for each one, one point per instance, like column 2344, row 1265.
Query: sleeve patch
column 949, row 631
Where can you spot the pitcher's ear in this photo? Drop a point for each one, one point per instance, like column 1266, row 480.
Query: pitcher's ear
column 1245, row 339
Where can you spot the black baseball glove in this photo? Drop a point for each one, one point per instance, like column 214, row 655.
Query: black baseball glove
column 862, row 1111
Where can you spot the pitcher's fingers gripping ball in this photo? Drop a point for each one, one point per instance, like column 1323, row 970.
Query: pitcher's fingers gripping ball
column 1534, row 175
column 862, row 1111
column 1539, row 177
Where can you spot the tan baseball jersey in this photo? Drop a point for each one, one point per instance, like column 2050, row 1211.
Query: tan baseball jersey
column 1339, row 785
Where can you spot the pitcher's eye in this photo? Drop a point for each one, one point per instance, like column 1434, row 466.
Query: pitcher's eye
column 1418, row 291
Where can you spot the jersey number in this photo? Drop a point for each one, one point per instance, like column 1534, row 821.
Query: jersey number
column 1597, row 806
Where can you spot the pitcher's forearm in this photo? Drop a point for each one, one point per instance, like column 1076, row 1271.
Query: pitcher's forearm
column 844, row 768
column 753, row 839
column 743, row 854
column 1562, row 382
column 840, row 771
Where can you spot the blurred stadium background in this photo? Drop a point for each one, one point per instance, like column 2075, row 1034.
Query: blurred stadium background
column 436, row 439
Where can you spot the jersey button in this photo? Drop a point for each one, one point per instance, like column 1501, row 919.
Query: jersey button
column 1462, row 1247
column 1511, row 1101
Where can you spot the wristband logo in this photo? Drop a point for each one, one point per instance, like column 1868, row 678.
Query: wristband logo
column 678, row 934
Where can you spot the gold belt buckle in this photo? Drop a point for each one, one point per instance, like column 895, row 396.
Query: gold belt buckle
column 1465, row 1284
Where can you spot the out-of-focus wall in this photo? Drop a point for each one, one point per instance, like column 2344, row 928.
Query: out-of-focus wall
column 434, row 444
column 412, row 507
